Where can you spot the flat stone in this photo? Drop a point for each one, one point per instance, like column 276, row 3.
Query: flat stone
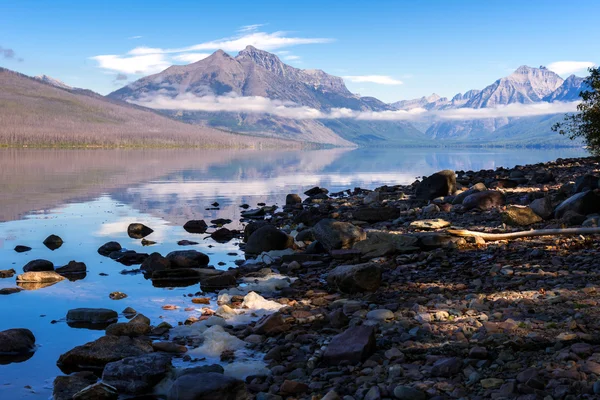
column 40, row 277
column 92, row 315
column 430, row 224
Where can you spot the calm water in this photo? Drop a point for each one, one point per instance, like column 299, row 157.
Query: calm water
column 88, row 197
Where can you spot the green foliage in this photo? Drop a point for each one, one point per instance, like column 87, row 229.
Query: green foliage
column 586, row 123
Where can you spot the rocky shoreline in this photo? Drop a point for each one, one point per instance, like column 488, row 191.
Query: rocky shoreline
column 362, row 295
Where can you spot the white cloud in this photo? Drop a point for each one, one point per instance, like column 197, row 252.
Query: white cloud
column 286, row 109
column 134, row 37
column 148, row 60
column 291, row 58
column 250, row 28
column 570, row 67
column 379, row 79
column 508, row 111
column 143, row 64
column 190, row 57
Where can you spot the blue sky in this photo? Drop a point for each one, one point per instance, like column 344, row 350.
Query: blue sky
column 392, row 50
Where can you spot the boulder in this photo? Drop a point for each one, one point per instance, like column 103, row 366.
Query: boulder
column 65, row 387
column 542, row 207
column 131, row 257
column 354, row 345
column 187, row 259
column 542, row 176
column 195, row 226
column 380, row 243
column 253, row 227
column 355, row 278
column 335, row 235
column 484, row 201
column 316, row 191
column 10, row 290
column 72, row 270
column 520, row 216
column 440, row 184
column 108, row 248
column 138, row 231
column 22, row 249
column 585, row 182
column 155, row 262
column 271, row 325
column 267, row 238
column 38, row 265
column 137, row 375
column 95, row 355
column 91, row 316
column 208, row 386
column 40, row 277
column 583, row 203
column 292, row 199
column 97, row 391
column 53, row 242
column 7, row 273
column 222, row 235
column 16, row 341
column 376, row 214
column 219, row 282
column 131, row 328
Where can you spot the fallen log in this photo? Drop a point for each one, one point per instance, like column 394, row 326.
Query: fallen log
column 522, row 234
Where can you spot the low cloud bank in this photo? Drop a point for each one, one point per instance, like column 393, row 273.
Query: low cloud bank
column 286, row 109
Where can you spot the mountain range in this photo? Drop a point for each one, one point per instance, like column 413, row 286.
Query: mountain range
column 259, row 97
column 45, row 111
column 255, row 72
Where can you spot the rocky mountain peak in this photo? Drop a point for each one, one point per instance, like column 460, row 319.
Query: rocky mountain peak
column 52, row 81
column 267, row 60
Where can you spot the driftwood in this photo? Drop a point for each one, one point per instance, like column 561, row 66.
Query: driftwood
column 531, row 233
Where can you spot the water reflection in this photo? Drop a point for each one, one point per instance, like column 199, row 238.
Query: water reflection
column 89, row 197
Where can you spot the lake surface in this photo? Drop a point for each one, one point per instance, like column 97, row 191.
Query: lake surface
column 89, row 197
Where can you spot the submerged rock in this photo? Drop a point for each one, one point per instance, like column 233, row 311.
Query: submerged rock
column 65, row 387
column 92, row 315
column 222, row 235
column 53, row 242
column 73, row 270
column 138, row 231
column 22, row 249
column 7, row 273
column 108, row 248
column 16, row 341
column 195, row 226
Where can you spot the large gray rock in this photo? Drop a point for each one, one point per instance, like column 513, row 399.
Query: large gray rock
column 267, row 238
column 442, row 183
column 485, row 200
column 92, row 315
column 380, row 243
column 334, row 235
column 520, row 216
column 95, row 355
column 354, row 345
column 187, row 259
column 138, row 231
column 355, row 278
column 583, row 203
column 38, row 265
column 136, row 375
column 16, row 341
column 208, row 386
column 542, row 207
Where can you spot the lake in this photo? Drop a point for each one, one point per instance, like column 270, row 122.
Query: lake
column 89, row 197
